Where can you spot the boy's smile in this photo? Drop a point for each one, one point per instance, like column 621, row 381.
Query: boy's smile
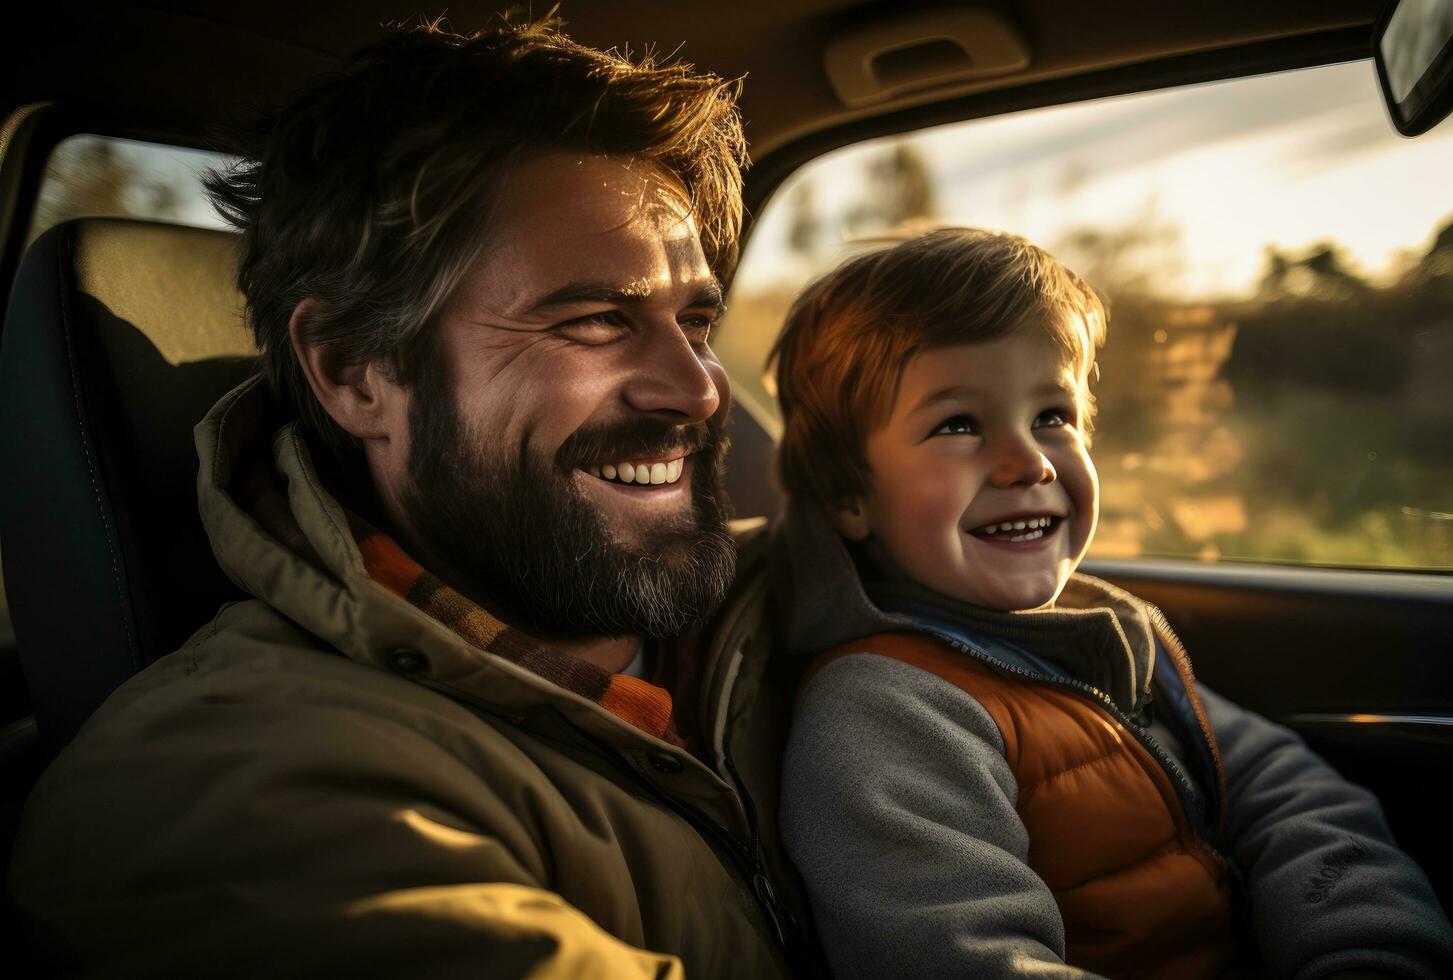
column 982, row 487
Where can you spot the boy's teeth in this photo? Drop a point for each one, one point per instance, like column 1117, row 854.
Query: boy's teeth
column 1036, row 525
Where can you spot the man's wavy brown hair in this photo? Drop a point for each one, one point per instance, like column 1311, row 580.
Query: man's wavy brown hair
column 371, row 193
column 850, row 335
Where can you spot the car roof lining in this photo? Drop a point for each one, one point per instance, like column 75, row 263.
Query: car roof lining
column 128, row 56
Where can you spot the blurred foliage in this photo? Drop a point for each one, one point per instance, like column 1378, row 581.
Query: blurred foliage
column 95, row 177
column 1311, row 423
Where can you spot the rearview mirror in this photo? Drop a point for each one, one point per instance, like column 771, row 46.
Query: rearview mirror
column 1413, row 48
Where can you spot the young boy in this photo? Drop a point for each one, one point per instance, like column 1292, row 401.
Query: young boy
column 999, row 767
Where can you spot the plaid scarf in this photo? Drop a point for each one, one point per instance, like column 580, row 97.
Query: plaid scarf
column 639, row 703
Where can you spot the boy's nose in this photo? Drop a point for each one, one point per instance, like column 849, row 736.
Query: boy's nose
column 1021, row 463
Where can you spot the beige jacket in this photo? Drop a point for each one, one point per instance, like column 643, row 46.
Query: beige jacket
column 325, row 781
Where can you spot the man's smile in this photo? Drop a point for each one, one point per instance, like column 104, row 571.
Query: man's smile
column 632, row 500
column 654, row 471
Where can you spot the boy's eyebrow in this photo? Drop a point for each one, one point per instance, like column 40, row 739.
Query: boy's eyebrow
column 956, row 392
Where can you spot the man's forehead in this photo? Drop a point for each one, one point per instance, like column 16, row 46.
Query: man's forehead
column 587, row 224
column 584, row 195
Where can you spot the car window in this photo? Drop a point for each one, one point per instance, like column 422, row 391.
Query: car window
column 1279, row 267
column 91, row 176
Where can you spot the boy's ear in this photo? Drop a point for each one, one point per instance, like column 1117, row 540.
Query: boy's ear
column 851, row 518
column 358, row 396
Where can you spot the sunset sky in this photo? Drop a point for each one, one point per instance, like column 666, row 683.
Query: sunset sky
column 1288, row 159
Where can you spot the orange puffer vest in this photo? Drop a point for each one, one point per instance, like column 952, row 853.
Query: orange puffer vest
column 1141, row 894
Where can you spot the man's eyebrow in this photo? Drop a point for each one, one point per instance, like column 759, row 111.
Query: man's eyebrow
column 708, row 294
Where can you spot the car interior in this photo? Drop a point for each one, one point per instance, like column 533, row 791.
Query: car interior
column 119, row 333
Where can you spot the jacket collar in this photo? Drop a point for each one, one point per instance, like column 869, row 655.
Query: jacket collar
column 1096, row 632
column 280, row 535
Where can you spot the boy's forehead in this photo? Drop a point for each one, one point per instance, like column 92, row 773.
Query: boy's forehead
column 1024, row 356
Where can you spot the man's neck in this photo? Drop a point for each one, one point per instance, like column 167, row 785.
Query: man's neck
column 612, row 653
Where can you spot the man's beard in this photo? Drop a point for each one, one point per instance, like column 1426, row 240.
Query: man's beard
column 527, row 544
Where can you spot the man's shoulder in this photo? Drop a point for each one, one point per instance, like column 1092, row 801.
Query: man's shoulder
column 252, row 670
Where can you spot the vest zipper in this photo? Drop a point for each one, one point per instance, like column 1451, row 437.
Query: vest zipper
column 1185, row 789
column 1182, row 661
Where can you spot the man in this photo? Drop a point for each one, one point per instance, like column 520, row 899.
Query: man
column 469, row 725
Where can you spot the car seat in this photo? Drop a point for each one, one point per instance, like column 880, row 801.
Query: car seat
column 119, row 337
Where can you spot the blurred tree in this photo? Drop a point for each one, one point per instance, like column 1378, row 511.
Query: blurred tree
column 1142, row 258
column 1436, row 267
column 900, row 192
column 1322, row 273
column 804, row 225
column 90, row 176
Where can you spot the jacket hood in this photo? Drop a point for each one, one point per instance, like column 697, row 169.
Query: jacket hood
column 1096, row 632
column 281, row 536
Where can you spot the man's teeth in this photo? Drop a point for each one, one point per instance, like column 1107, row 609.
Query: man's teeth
column 1028, row 529
column 644, row 474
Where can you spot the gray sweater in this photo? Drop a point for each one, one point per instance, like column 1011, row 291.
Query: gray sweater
column 898, row 808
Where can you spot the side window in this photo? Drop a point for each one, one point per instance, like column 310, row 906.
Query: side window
column 1279, row 269
column 102, row 177
column 96, row 176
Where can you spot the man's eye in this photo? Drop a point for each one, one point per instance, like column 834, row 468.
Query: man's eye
column 597, row 328
column 957, row 425
column 698, row 329
column 1052, row 417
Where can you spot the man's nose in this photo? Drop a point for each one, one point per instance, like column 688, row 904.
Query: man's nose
column 1020, row 462
column 671, row 376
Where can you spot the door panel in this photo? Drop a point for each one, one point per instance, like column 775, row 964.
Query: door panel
column 1356, row 662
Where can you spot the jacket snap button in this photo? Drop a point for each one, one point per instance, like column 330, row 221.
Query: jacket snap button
column 666, row 763
column 407, row 660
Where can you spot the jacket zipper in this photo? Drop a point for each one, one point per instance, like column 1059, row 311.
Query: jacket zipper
column 1190, row 800
column 783, row 921
column 746, row 858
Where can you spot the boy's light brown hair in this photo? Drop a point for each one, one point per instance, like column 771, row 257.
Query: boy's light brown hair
column 850, row 335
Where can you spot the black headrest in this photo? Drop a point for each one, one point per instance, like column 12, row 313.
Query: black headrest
column 119, row 337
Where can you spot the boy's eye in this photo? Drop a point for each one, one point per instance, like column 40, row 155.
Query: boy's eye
column 957, row 425
column 1052, row 417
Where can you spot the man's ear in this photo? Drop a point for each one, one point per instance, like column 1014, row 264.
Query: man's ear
column 851, row 518
column 359, row 397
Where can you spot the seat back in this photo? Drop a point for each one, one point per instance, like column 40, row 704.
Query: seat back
column 119, row 337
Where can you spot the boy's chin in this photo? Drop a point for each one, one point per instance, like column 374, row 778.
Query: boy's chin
column 1017, row 596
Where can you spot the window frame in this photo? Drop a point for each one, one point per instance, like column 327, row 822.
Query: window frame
column 771, row 173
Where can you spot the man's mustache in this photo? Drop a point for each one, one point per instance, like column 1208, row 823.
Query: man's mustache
column 636, row 438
